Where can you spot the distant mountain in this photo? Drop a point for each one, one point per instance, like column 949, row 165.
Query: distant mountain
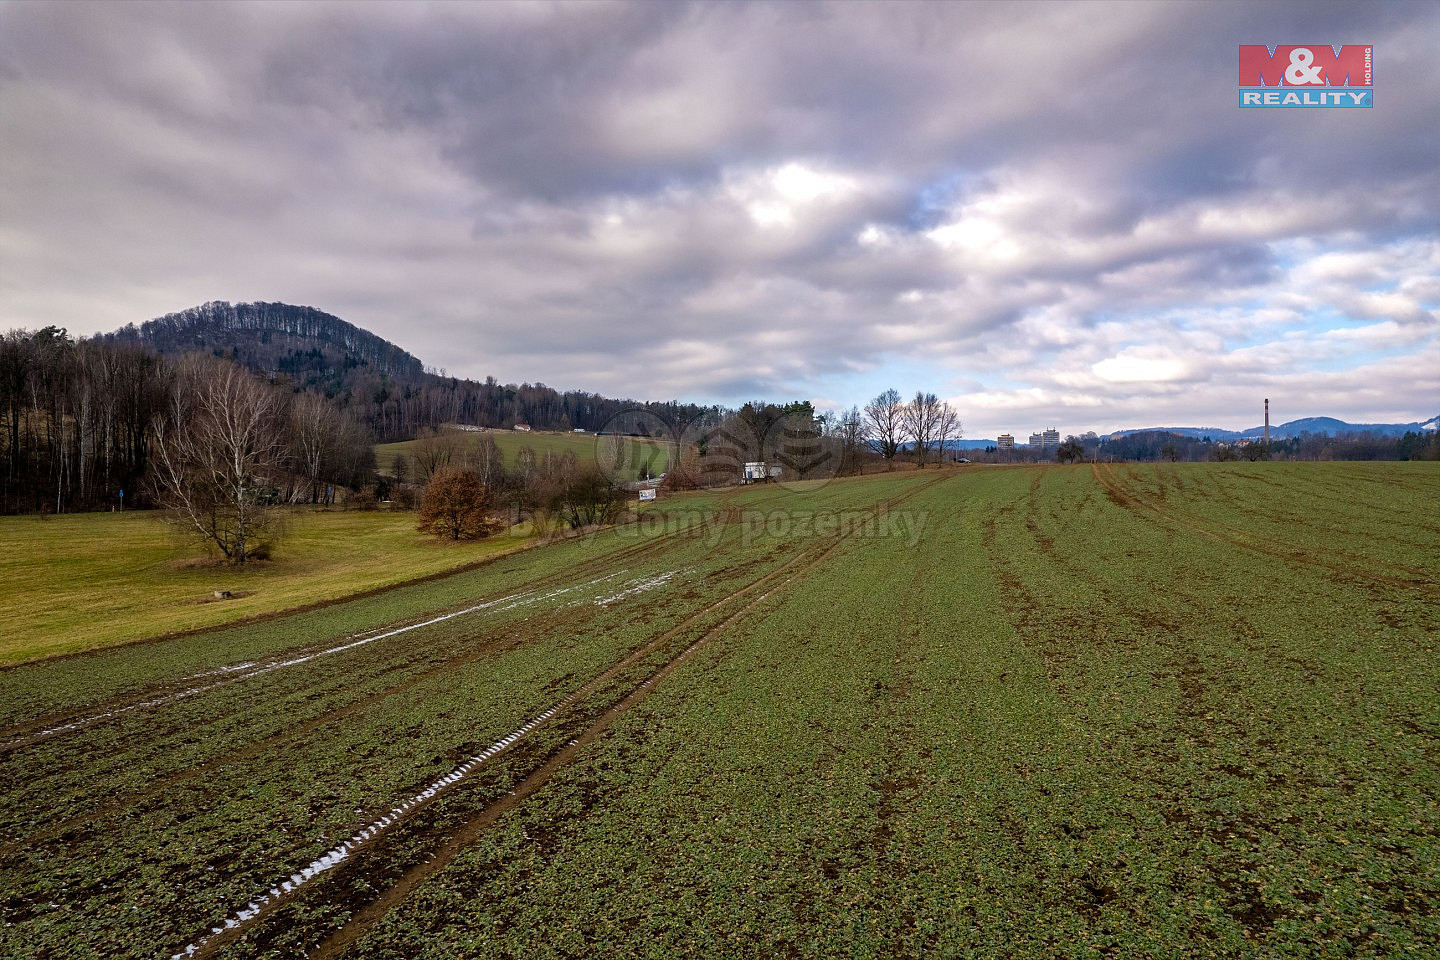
column 964, row 443
column 1329, row 426
column 1194, row 433
column 1324, row 426
column 310, row 346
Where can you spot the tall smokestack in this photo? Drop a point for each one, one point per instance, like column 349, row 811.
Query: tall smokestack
column 1267, row 421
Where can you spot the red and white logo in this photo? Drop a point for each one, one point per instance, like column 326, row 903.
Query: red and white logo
column 1312, row 75
column 1317, row 65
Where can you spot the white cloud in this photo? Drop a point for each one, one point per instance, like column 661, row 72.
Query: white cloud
column 1140, row 366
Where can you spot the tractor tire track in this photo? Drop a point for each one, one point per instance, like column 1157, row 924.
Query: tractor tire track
column 228, row 675
column 371, row 914
column 257, row 910
column 806, row 559
column 362, row 922
column 158, row 695
column 490, row 647
column 1137, row 503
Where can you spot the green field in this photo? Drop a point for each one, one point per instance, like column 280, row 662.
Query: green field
column 1130, row 711
column 81, row 581
column 587, row 449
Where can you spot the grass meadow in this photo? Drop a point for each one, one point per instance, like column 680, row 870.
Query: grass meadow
column 80, row 581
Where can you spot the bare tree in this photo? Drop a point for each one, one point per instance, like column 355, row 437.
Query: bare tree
column 919, row 417
column 885, row 423
column 217, row 454
column 848, row 428
column 947, row 427
column 352, row 460
column 526, row 464
column 435, row 451
column 314, row 426
column 484, row 457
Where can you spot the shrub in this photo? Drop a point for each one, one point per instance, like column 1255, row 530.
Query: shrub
column 362, row 499
column 592, row 499
column 457, row 505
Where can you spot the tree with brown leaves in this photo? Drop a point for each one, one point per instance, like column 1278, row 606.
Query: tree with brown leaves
column 457, row 505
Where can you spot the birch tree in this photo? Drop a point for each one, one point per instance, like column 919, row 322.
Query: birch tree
column 218, row 452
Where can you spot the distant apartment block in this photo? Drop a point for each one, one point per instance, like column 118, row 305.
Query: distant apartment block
column 1006, row 443
column 1045, row 441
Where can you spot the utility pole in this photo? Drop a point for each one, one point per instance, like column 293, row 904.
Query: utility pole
column 1267, row 422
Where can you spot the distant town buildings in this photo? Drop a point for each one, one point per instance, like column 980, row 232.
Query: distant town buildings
column 1045, row 441
column 1042, row 442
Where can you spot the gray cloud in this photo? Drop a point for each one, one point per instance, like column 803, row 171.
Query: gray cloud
column 1055, row 211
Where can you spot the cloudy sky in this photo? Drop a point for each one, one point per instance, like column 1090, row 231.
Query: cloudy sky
column 1050, row 214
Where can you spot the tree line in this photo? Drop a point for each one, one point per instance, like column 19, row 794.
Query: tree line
column 107, row 423
column 97, row 424
column 803, row 443
column 1167, row 446
column 79, row 416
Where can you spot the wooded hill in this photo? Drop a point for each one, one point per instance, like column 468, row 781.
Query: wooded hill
column 381, row 384
column 306, row 344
